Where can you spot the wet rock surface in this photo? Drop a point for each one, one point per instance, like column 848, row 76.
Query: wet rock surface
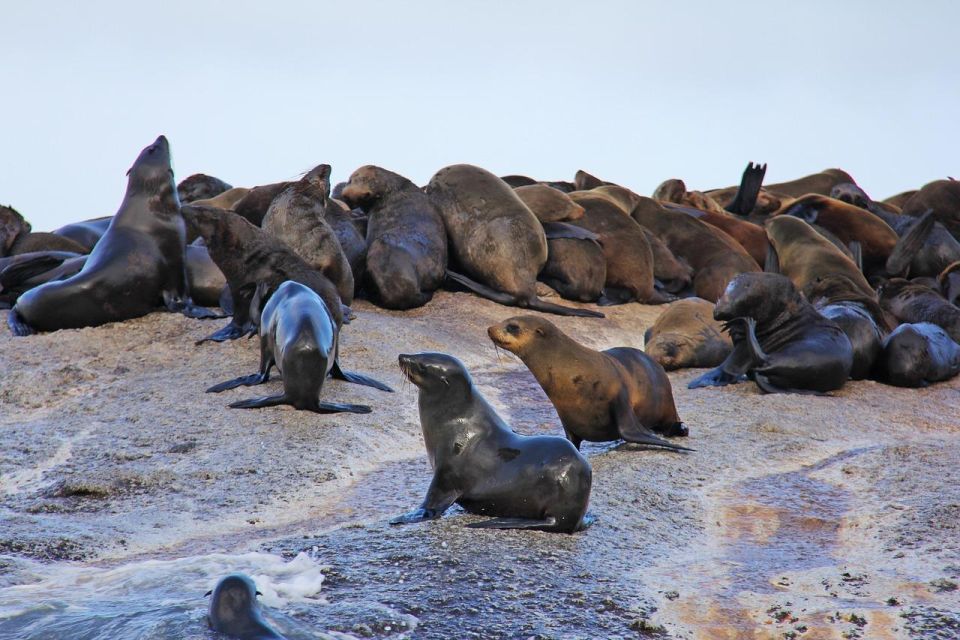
column 796, row 516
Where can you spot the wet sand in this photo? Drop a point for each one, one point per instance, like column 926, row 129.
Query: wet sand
column 797, row 516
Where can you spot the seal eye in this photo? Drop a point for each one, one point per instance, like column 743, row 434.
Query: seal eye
column 513, row 329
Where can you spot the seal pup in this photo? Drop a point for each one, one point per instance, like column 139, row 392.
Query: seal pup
column 138, row 262
column 779, row 339
column 599, row 395
column 235, row 612
column 915, row 355
column 296, row 216
column 299, row 336
column 686, row 336
column 524, row 482
column 200, row 186
column 494, row 237
column 406, row 239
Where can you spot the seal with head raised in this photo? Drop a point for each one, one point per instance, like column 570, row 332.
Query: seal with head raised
column 234, row 610
column 779, row 339
column 599, row 395
column 406, row 240
column 494, row 237
column 299, row 336
column 524, row 482
column 138, row 262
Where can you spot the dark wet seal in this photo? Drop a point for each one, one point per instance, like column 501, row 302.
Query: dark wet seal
column 599, row 395
column 523, row 482
column 779, row 339
column 235, row 612
column 916, row 355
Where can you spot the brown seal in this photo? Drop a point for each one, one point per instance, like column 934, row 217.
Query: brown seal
column 803, row 255
column 686, row 335
column 200, row 186
column 943, row 196
column 42, row 241
column 900, row 199
column 86, row 232
column 630, row 267
column 675, row 191
column 750, row 236
column 599, row 395
column 575, row 268
column 253, row 206
column 549, row 204
column 820, row 183
column 226, row 200
column 296, row 216
column 12, row 226
column 494, row 238
column 716, row 258
column 912, row 302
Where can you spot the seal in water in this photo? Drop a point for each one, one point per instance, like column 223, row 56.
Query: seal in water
column 524, row 482
column 914, row 355
column 494, row 237
column 299, row 335
column 779, row 339
column 235, row 612
column 599, row 395
column 138, row 262
column 686, row 335
column 406, row 240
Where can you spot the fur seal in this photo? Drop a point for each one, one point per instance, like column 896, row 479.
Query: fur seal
column 406, row 239
column 779, row 339
column 912, row 302
column 716, row 258
column 494, row 237
column 12, row 225
column 235, row 612
column 200, row 186
column 673, row 274
column 620, row 196
column 803, row 255
column 138, row 262
column 820, row 183
column 524, row 482
column 548, row 204
column 943, row 197
column 750, row 236
column 518, row 181
column 687, row 336
column 43, row 241
column 298, row 334
column 28, row 270
column 226, row 200
column 914, row 355
column 674, row 191
column 599, row 395
column 87, row 232
column 900, row 199
column 575, row 268
column 254, row 205
column 630, row 267
column 583, row 181
column 296, row 216
column 948, row 282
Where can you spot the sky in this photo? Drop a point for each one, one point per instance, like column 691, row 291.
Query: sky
column 633, row 92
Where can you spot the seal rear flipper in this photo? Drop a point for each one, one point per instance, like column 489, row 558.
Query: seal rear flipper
column 176, row 304
column 746, row 198
column 340, row 407
column 557, row 230
column 548, row 307
column 357, row 378
column 614, row 296
column 20, row 272
column 18, row 326
column 230, row 332
column 515, row 523
column 242, row 381
column 259, row 403
column 631, row 430
column 907, row 247
column 508, row 300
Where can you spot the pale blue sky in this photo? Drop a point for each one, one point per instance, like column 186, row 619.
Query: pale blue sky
column 634, row 92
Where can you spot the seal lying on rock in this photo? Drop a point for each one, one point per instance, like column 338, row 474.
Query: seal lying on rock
column 234, row 610
column 779, row 339
column 914, row 355
column 686, row 335
column 599, row 395
column 525, row 482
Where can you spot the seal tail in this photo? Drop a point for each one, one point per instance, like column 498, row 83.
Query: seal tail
column 508, row 300
column 909, row 245
column 18, row 326
column 746, row 198
column 357, row 378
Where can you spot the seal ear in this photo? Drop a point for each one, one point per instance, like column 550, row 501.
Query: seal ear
column 540, row 331
column 207, row 594
column 259, row 594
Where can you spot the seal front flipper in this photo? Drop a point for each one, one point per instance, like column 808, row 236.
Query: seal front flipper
column 438, row 500
column 357, row 378
column 746, row 198
column 18, row 326
column 340, row 407
column 856, row 250
column 898, row 263
column 558, row 230
column 548, row 307
column 242, row 381
column 632, row 431
column 514, row 523
column 482, row 290
column 230, row 332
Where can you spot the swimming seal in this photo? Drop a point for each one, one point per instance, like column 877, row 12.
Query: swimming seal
column 915, row 355
column 779, row 339
column 298, row 335
column 599, row 395
column 297, row 217
column 686, row 336
column 234, row 610
column 524, row 482
column 138, row 262
column 406, row 240
column 494, row 237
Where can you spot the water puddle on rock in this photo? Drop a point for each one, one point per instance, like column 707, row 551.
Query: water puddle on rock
column 762, row 531
column 156, row 599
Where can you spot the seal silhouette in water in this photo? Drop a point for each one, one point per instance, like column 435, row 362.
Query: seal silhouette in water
column 525, row 482
column 235, row 612
column 599, row 395
column 138, row 262
column 299, row 335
